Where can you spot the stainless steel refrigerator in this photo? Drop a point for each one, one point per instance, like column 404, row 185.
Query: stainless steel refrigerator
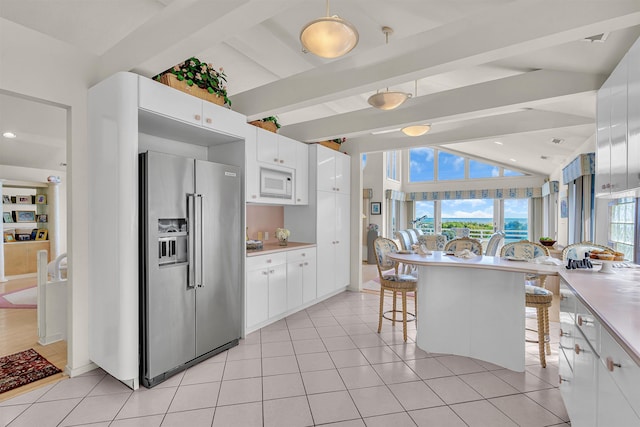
column 190, row 275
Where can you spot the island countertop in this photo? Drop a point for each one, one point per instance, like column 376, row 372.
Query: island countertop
column 273, row 247
column 614, row 299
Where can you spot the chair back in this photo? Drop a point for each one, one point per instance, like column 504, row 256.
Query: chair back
column 413, row 236
column 405, row 240
column 577, row 250
column 495, row 242
column 463, row 243
column 383, row 247
column 418, row 231
column 524, row 249
column 462, row 231
column 433, row 242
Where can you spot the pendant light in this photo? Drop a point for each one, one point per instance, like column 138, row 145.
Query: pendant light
column 329, row 36
column 416, row 130
column 388, row 100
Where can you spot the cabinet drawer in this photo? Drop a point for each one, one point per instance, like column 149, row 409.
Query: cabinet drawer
column 301, row 255
column 567, row 301
column 588, row 325
column 622, row 369
column 263, row 261
column 567, row 341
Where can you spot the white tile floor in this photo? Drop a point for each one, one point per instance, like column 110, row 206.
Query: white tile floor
column 323, row 366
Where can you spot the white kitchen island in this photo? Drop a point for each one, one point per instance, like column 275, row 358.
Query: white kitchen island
column 473, row 307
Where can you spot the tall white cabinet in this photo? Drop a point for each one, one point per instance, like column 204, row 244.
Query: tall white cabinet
column 326, row 220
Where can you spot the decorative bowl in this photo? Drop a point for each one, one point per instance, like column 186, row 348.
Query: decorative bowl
column 548, row 242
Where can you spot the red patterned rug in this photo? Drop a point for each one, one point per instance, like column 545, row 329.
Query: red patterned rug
column 23, row 368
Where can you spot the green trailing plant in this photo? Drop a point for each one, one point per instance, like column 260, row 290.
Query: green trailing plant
column 203, row 75
column 273, row 119
column 339, row 140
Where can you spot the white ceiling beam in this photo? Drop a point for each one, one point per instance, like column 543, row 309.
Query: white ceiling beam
column 520, row 91
column 520, row 122
column 516, row 28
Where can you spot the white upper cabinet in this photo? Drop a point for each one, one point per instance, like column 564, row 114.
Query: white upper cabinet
column 334, row 170
column 302, row 174
column 633, row 118
column 223, row 119
column 603, row 143
column 162, row 99
column 619, row 127
column 275, row 149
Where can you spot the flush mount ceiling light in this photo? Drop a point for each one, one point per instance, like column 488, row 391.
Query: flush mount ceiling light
column 388, row 100
column 9, row 135
column 416, row 130
column 329, row 36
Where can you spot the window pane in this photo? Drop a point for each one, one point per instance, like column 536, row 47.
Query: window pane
column 622, row 226
column 424, row 217
column 482, row 170
column 516, row 219
column 450, row 166
column 475, row 214
column 509, row 172
column 392, row 165
column 421, row 164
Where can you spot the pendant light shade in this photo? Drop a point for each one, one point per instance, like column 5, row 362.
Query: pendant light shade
column 329, row 36
column 416, row 130
column 388, row 100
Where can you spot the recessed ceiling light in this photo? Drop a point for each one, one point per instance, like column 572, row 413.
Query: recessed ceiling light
column 9, row 135
column 497, row 142
column 513, row 160
column 544, row 157
column 557, row 140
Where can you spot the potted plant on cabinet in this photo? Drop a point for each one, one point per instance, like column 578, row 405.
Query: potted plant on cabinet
column 267, row 123
column 334, row 144
column 198, row 79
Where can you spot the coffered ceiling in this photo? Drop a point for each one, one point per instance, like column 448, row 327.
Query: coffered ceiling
column 480, row 71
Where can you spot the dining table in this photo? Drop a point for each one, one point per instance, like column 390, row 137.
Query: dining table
column 473, row 305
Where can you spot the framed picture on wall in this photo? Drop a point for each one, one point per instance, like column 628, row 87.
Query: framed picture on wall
column 24, row 200
column 564, row 208
column 6, row 199
column 25, row 216
column 41, row 199
column 43, row 218
column 376, row 208
column 6, row 217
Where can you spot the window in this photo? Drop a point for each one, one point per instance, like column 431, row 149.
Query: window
column 424, row 216
column 516, row 219
column 509, row 172
column 392, row 165
column 482, row 170
column 364, row 161
column 475, row 214
column 450, row 166
column 421, row 164
column 621, row 226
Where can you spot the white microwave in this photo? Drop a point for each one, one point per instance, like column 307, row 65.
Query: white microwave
column 276, row 183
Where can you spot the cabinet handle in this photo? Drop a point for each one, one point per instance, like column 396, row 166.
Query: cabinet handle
column 584, row 320
column 564, row 334
column 275, row 160
column 208, row 120
column 281, row 161
column 306, row 263
column 611, row 364
column 562, row 380
column 253, row 196
column 577, row 349
column 301, row 265
column 265, row 273
column 272, row 271
column 337, row 241
column 197, row 117
column 298, row 200
column 337, row 189
column 303, row 254
column 268, row 261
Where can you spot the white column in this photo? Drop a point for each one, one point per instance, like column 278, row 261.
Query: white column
column 53, row 201
column 2, row 278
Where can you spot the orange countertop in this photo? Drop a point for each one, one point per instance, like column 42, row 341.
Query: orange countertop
column 272, row 247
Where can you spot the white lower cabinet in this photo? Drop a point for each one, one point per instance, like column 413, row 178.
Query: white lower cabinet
column 598, row 379
column 278, row 284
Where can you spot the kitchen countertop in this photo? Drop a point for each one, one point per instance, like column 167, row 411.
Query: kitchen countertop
column 614, row 299
column 273, row 247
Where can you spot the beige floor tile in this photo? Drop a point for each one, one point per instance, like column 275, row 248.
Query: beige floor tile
column 322, row 381
column 245, row 415
column 395, row 372
column 315, row 362
column 195, row 418
column 453, row 390
column 279, row 365
column 401, row 419
column 524, row 411
column 415, row 395
column 288, row 412
column 482, row 414
column 441, row 416
column 279, row 386
column 332, row 407
column 360, row 376
column 372, row 401
column 488, row 385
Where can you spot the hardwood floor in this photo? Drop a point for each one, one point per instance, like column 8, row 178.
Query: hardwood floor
column 19, row 331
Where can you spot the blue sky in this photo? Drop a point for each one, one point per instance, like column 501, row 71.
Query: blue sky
column 474, row 208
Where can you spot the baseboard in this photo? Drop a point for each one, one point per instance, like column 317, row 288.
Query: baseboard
column 80, row 370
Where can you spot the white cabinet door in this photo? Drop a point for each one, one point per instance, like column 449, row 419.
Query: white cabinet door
column 267, row 146
column 343, row 173
column 257, row 290
column 252, row 170
column 342, row 252
column 302, row 173
column 619, row 127
column 223, row 120
column 603, row 143
column 277, row 290
column 287, row 151
column 613, row 407
column 295, row 284
column 326, row 168
column 583, row 412
column 633, row 118
column 162, row 99
column 326, row 242
column 309, row 275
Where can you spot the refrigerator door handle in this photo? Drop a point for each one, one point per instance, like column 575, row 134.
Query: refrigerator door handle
column 199, row 238
column 191, row 241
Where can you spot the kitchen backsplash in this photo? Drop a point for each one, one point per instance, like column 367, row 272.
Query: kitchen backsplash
column 264, row 219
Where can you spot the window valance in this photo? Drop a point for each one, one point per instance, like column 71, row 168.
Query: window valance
column 550, row 187
column 500, row 193
column 584, row 164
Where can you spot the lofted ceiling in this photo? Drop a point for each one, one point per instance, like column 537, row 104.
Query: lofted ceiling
column 480, row 71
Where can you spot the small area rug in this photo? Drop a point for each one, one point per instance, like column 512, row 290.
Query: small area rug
column 23, row 368
column 24, row 298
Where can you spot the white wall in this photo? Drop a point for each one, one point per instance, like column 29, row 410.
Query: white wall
column 38, row 66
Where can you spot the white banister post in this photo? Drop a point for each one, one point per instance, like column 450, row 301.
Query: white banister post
column 2, row 278
column 53, row 201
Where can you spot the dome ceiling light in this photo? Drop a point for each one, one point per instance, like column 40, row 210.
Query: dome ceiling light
column 388, row 100
column 416, row 130
column 329, row 36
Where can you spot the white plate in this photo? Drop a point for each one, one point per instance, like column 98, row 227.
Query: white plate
column 513, row 258
column 405, row 252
